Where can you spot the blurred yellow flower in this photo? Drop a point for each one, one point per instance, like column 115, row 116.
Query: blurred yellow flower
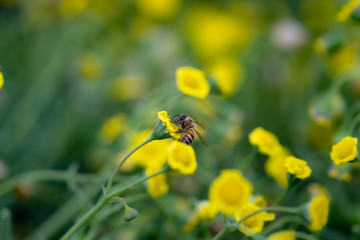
column 230, row 191
column 113, row 127
column 319, row 211
column 320, row 46
column 1, row 80
column 260, row 201
column 228, row 74
column 153, row 154
column 89, row 66
column 343, row 60
column 128, row 87
column 298, row 167
column 191, row 223
column 159, row 9
column 192, row 82
column 182, row 158
column 283, row 235
column 317, row 189
column 254, row 223
column 71, row 8
column 206, row 211
column 347, row 10
column 171, row 127
column 344, row 151
column 275, row 168
column 215, row 33
column 266, row 141
column 157, row 186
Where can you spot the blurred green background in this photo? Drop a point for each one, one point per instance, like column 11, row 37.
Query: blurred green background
column 71, row 65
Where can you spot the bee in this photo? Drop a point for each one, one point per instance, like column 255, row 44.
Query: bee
column 188, row 127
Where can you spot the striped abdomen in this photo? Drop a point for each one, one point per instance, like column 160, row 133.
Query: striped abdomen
column 188, row 137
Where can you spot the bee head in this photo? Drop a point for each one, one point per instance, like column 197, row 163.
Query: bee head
column 183, row 117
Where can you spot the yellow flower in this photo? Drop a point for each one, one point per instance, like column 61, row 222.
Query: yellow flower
column 1, row 80
column 171, row 127
column 260, row 201
column 344, row 151
column 113, row 127
column 191, row 223
column 319, row 211
column 254, row 223
column 347, row 10
column 127, row 87
column 343, row 60
column 266, row 141
column 203, row 26
column 230, row 191
column 182, row 158
column 228, row 74
column 283, row 235
column 71, row 8
column 159, row 9
column 157, row 186
column 191, row 81
column 152, row 154
column 89, row 66
column 275, row 168
column 317, row 189
column 206, row 211
column 297, row 167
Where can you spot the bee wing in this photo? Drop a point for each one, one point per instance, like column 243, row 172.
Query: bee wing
column 199, row 124
column 202, row 138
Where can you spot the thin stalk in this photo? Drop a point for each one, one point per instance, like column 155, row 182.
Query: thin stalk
column 104, row 201
column 222, row 233
column 111, row 180
column 283, row 195
column 48, row 175
column 236, row 225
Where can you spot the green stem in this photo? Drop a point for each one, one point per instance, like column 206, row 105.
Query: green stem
column 84, row 219
column 104, row 201
column 278, row 224
column 111, row 180
column 236, row 225
column 222, row 233
column 283, row 195
column 48, row 175
column 248, row 159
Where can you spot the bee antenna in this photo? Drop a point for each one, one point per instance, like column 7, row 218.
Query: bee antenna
column 177, row 115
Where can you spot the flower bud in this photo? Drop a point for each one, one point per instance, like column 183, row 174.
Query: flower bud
column 130, row 213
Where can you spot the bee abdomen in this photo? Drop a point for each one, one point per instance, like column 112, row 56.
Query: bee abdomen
column 188, row 137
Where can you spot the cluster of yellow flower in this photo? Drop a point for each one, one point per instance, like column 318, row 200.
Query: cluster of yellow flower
column 232, row 194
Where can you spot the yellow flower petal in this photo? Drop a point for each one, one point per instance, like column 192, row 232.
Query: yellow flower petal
column 344, row 151
column 230, row 191
column 152, row 154
column 275, row 168
column 266, row 141
column 319, row 211
column 192, row 82
column 182, row 158
column 347, row 10
column 157, row 186
column 297, row 167
column 171, row 127
column 206, row 211
column 283, row 235
column 254, row 223
column 113, row 127
column 1, row 80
